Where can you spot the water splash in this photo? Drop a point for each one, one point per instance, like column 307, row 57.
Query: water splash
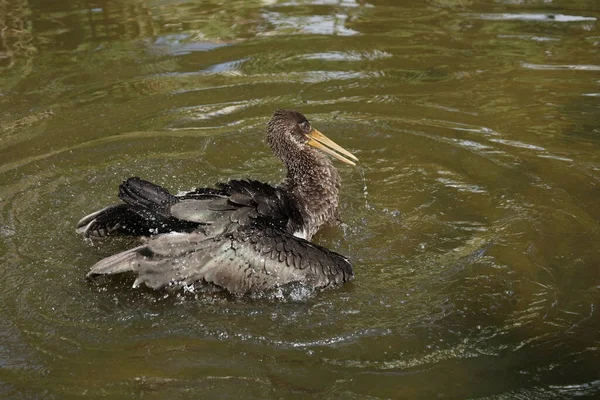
column 365, row 188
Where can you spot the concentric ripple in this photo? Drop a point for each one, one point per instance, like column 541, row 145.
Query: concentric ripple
column 472, row 219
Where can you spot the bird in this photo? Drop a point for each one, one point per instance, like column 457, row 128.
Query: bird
column 242, row 236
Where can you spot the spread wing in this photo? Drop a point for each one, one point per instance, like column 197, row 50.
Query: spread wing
column 148, row 209
column 144, row 212
column 246, row 260
column 239, row 237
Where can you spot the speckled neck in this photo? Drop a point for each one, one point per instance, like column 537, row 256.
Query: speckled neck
column 312, row 182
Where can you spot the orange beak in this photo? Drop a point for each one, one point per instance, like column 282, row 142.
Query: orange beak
column 326, row 145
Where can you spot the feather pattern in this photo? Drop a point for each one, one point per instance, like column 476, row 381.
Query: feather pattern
column 239, row 236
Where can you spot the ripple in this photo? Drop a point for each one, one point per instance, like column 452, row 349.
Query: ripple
column 554, row 157
column 434, row 357
column 516, row 143
column 561, row 67
column 225, row 68
column 460, row 126
column 315, row 24
column 461, row 186
column 583, row 389
column 209, row 111
column 347, row 56
column 470, row 144
column 530, row 37
column 336, row 3
column 473, row 242
column 531, row 17
column 179, row 44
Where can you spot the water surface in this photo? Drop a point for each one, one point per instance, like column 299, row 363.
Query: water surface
column 473, row 220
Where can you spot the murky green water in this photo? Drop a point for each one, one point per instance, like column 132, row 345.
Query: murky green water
column 473, row 222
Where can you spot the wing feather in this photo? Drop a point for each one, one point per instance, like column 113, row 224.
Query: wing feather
column 238, row 237
column 230, row 261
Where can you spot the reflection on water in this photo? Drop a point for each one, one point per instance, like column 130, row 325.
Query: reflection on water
column 472, row 222
column 533, row 17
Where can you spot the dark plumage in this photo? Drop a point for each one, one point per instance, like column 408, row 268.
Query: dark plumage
column 244, row 235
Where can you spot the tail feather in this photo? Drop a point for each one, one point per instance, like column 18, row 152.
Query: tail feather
column 112, row 220
column 116, row 264
column 147, row 198
column 147, row 211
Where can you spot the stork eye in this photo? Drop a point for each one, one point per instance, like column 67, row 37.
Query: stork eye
column 305, row 126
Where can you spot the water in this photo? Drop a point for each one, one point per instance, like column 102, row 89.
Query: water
column 472, row 221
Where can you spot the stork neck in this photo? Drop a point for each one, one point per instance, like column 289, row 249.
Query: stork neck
column 314, row 183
